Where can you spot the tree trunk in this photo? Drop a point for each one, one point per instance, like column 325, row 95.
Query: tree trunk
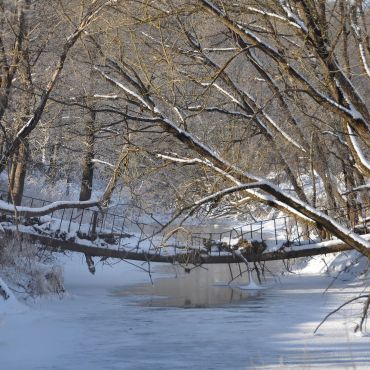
column 35, row 118
column 194, row 257
column 52, row 170
column 88, row 165
column 322, row 167
column 11, row 176
column 20, row 173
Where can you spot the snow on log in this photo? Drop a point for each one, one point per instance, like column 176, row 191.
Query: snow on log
column 191, row 257
column 10, row 209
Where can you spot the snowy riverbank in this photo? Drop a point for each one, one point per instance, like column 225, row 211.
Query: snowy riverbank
column 97, row 326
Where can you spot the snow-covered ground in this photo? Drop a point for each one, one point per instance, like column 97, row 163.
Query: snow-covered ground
column 114, row 320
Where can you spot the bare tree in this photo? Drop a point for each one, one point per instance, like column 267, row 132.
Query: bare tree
column 205, row 59
column 16, row 144
column 250, row 96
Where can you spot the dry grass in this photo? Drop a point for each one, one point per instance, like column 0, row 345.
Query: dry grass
column 28, row 269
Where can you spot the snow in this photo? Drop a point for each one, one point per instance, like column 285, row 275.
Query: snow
column 252, row 285
column 102, row 162
column 293, row 18
column 24, row 127
column 223, row 91
column 124, row 88
column 220, row 49
column 10, row 305
column 104, row 324
column 288, row 138
column 126, row 235
column 102, row 96
column 361, row 187
column 277, row 16
column 363, row 58
column 357, row 148
column 20, row 210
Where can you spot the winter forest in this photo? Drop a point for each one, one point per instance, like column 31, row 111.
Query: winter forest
column 184, row 184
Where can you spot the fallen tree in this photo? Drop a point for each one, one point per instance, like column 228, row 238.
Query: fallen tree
column 192, row 256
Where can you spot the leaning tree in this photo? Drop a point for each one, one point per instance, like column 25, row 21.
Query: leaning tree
column 251, row 98
column 241, row 85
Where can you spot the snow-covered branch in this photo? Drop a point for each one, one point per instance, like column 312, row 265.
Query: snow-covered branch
column 59, row 245
column 359, row 115
column 128, row 91
column 94, row 160
column 222, row 193
column 271, row 195
column 10, row 209
column 293, row 18
column 362, row 163
column 271, row 127
column 358, row 34
column 275, row 197
column 292, row 21
column 357, row 188
column 105, row 97
column 364, row 60
column 199, row 108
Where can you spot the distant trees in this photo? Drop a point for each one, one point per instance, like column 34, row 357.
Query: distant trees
column 27, row 78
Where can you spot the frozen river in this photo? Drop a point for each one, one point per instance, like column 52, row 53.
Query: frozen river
column 117, row 320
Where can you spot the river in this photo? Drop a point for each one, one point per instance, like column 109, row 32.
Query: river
column 118, row 320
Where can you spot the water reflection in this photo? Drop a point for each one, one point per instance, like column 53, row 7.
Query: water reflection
column 200, row 288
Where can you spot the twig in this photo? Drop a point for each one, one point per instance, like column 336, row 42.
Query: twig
column 337, row 309
column 364, row 314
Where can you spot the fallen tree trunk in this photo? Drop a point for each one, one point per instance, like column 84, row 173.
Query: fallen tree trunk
column 191, row 257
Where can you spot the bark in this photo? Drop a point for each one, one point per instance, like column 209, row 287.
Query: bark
column 22, row 154
column 345, row 31
column 87, row 164
column 323, row 169
column 117, row 173
column 8, row 68
column 353, row 178
column 11, row 176
column 20, row 173
column 53, row 164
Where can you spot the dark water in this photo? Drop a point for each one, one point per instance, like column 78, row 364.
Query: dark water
column 201, row 287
